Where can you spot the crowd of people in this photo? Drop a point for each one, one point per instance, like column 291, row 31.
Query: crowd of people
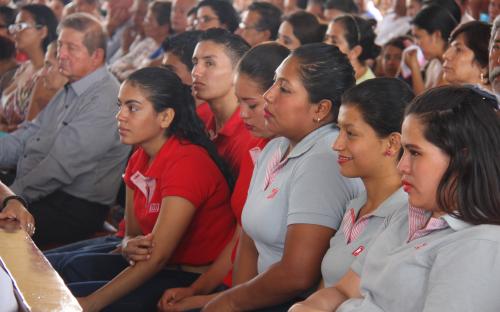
column 308, row 155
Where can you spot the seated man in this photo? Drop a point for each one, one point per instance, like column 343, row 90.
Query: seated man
column 259, row 23
column 70, row 159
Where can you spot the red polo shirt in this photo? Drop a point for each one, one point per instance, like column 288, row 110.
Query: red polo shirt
column 232, row 141
column 185, row 170
column 204, row 112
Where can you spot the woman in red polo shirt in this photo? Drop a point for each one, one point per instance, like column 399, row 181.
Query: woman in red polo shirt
column 178, row 217
column 255, row 74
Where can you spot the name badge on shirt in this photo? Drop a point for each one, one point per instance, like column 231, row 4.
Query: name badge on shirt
column 358, row 251
column 154, row 207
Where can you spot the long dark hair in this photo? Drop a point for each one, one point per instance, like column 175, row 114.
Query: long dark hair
column 164, row 89
column 464, row 123
column 360, row 31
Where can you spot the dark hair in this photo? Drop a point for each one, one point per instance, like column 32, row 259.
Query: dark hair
column 225, row 12
column 260, row 63
column 464, row 123
column 8, row 14
column 234, row 45
column 398, row 42
column 45, row 17
column 270, row 17
column 182, row 45
column 382, row 103
column 325, row 72
column 161, row 10
column 94, row 36
column 477, row 38
column 7, row 48
column 449, row 5
column 359, row 31
column 434, row 18
column 164, row 89
column 306, row 27
column 347, row 6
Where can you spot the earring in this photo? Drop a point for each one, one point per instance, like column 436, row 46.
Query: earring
column 317, row 119
column 388, row 153
column 484, row 78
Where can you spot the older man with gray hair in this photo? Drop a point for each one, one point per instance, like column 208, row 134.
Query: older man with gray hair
column 494, row 58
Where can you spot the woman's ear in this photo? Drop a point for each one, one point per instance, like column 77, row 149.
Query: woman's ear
column 322, row 110
column 393, row 143
column 166, row 118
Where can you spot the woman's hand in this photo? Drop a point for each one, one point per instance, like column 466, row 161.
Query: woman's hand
column 411, row 60
column 188, row 303
column 174, row 295
column 138, row 248
column 16, row 210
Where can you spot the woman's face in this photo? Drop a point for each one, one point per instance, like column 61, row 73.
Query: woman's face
column 335, row 35
column 212, row 71
column 30, row 37
column 391, row 60
column 206, row 18
column 288, row 111
column 249, row 94
column 138, row 122
column 51, row 77
column 360, row 150
column 427, row 42
column 422, row 165
column 286, row 36
column 459, row 66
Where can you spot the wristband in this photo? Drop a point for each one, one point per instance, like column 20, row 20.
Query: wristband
column 15, row 197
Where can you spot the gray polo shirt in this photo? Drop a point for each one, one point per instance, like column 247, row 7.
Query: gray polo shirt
column 453, row 269
column 73, row 145
column 308, row 189
column 341, row 254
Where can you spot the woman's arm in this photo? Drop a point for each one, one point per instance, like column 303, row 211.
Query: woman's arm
column 175, row 216
column 330, row 298
column 205, row 284
column 297, row 271
column 417, row 80
column 245, row 263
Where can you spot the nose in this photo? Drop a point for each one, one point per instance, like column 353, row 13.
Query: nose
column 403, row 165
column 339, row 144
column 121, row 115
column 269, row 95
column 446, row 55
column 243, row 111
column 197, row 71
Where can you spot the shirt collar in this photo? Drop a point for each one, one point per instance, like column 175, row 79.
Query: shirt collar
column 387, row 207
column 455, row 223
column 81, row 85
column 307, row 142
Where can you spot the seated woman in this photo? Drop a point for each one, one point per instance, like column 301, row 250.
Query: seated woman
column 431, row 28
column 49, row 82
column 300, row 28
column 177, row 199
column 369, row 146
column 216, row 14
column 35, row 28
column 442, row 256
column 354, row 36
column 466, row 59
column 297, row 196
column 254, row 76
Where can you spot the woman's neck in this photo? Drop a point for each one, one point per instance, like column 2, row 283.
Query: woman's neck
column 223, row 108
column 379, row 188
column 36, row 57
column 153, row 146
column 359, row 69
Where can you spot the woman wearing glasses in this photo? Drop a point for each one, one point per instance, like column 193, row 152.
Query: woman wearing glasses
column 354, row 36
column 34, row 29
column 216, row 14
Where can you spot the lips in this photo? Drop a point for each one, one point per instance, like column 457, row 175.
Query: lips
column 406, row 186
column 248, row 126
column 267, row 114
column 122, row 130
column 343, row 159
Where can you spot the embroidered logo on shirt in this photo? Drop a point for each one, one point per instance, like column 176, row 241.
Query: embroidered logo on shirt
column 420, row 245
column 154, row 207
column 273, row 193
column 358, row 251
column 353, row 229
column 146, row 185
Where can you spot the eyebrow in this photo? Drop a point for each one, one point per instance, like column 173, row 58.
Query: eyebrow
column 129, row 102
column 412, row 146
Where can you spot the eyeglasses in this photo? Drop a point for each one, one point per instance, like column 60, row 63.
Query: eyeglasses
column 243, row 26
column 18, row 27
column 204, row 19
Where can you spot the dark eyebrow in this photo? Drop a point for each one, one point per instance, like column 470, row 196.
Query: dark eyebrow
column 412, row 146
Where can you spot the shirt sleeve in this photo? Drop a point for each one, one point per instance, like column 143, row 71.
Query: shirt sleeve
column 318, row 193
column 465, row 276
column 191, row 177
column 11, row 145
column 79, row 145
